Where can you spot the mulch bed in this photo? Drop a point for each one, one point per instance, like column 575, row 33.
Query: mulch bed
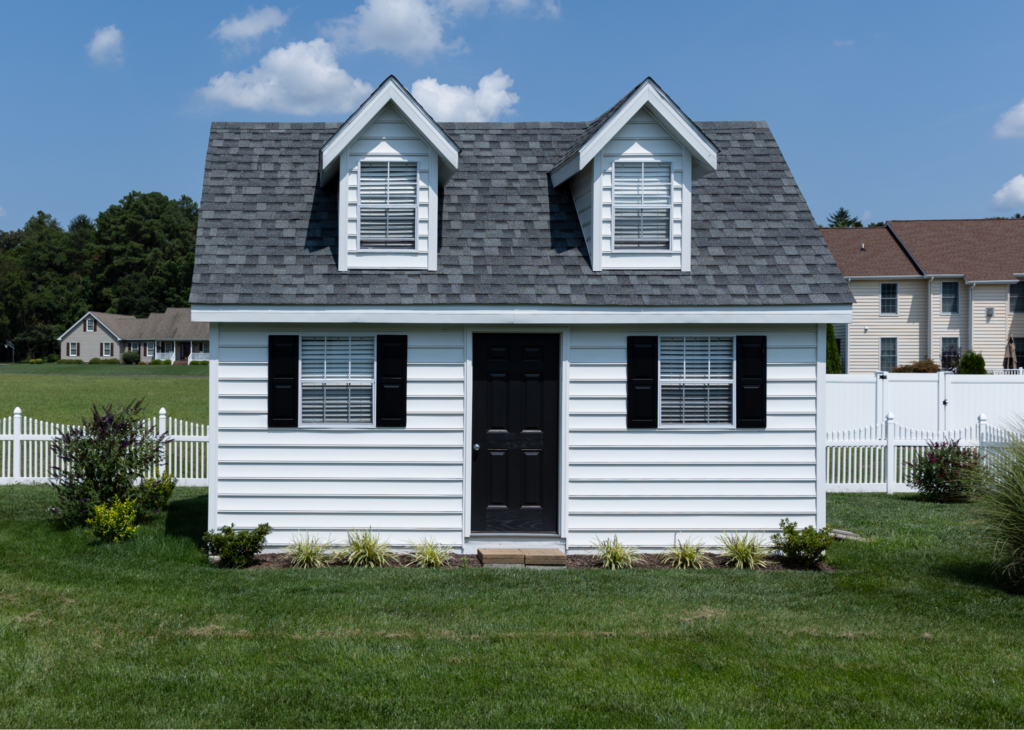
column 647, row 561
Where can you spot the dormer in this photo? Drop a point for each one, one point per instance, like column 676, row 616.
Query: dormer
column 390, row 159
column 631, row 174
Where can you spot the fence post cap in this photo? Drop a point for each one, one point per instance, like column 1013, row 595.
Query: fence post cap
column 890, row 417
column 17, row 410
column 163, row 411
column 982, row 418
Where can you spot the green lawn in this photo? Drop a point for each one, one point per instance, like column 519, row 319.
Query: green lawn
column 911, row 631
column 66, row 393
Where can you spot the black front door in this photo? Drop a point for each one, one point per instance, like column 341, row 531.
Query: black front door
column 515, row 424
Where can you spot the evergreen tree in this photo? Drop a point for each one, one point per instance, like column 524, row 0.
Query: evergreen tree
column 842, row 219
column 833, row 361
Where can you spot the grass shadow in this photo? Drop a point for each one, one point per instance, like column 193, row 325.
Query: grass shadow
column 187, row 518
column 977, row 573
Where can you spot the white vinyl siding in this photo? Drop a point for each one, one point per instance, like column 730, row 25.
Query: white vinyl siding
column 861, row 338
column 337, row 379
column 642, row 194
column 888, row 357
column 945, row 324
column 950, row 297
column 387, row 205
column 890, row 298
column 696, row 380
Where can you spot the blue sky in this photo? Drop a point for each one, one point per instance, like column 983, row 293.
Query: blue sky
column 891, row 109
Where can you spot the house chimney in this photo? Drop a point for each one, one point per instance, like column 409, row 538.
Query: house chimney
column 862, row 247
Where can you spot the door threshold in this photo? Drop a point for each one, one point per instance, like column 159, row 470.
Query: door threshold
column 500, row 535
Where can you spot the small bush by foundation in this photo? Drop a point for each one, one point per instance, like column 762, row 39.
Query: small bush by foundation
column 113, row 523
column 614, row 555
column 309, row 551
column 744, row 551
column 686, row 555
column 237, row 548
column 366, row 549
column 806, row 546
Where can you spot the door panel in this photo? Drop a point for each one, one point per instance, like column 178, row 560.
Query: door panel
column 516, row 397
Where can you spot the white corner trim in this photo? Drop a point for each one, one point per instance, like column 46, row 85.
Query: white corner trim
column 390, row 92
column 552, row 315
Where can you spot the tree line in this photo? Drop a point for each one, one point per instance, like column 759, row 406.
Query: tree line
column 135, row 258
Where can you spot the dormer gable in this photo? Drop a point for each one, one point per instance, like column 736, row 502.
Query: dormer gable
column 631, row 175
column 390, row 159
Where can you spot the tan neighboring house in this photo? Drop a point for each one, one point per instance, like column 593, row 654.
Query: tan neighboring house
column 921, row 287
column 171, row 335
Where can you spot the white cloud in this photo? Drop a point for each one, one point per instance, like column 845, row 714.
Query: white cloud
column 840, row 44
column 302, row 78
column 251, row 26
column 105, row 46
column 409, row 28
column 1011, row 195
column 549, row 8
column 460, row 103
column 1011, row 123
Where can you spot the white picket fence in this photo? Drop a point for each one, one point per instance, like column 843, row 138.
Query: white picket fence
column 874, row 459
column 26, row 456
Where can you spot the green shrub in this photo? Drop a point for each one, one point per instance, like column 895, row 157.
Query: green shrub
column 71, row 361
column 160, row 362
column 36, row 361
column 944, row 472
column 104, row 361
column 686, row 554
column 1001, row 505
column 613, row 554
column 806, row 546
column 833, row 360
column 237, row 548
column 104, row 457
column 919, row 366
column 972, row 363
column 153, row 493
column 306, row 551
column 200, row 362
column 364, row 548
column 431, row 554
column 52, row 357
column 744, row 551
column 130, row 357
column 113, row 523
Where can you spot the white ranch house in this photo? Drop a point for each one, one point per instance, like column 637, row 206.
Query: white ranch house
column 513, row 334
column 168, row 335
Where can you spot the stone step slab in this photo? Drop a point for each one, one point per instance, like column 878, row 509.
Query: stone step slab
column 544, row 556
column 521, row 556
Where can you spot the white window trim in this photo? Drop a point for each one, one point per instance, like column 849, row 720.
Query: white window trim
column 107, row 349
column 415, row 208
column 90, row 325
column 73, row 349
column 942, row 297
column 373, row 394
column 662, row 381
column 670, row 207
column 897, row 340
column 889, row 314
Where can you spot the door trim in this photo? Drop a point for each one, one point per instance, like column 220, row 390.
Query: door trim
column 563, row 423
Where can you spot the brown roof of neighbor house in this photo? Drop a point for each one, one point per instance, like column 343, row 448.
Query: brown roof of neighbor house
column 980, row 250
column 868, row 252
column 173, row 324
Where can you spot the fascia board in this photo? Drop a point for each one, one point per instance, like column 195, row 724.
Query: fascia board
column 446, row 149
column 992, row 281
column 525, row 315
column 883, row 277
column 686, row 134
column 566, row 171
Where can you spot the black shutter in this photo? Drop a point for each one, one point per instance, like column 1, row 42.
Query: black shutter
column 641, row 382
column 283, row 381
column 752, row 381
column 392, row 361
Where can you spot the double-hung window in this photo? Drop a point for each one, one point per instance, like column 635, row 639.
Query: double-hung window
column 697, row 376
column 135, row 347
column 890, row 299
column 106, row 349
column 73, row 349
column 1017, row 297
column 951, row 297
column 887, row 354
column 337, row 379
column 642, row 205
column 387, row 205
column 90, row 325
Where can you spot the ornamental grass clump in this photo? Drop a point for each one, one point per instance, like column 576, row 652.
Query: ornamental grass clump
column 744, row 551
column 107, row 455
column 1001, row 504
column 613, row 554
column 806, row 547
column 430, row 554
column 237, row 548
column 687, row 554
column 113, row 523
column 944, row 472
column 366, row 549
column 309, row 551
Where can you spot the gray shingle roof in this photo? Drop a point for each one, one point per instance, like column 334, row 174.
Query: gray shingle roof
column 268, row 232
column 172, row 324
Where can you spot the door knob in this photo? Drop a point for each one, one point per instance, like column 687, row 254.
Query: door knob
column 476, row 447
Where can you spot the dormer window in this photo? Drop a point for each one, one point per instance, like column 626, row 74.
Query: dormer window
column 387, row 205
column 642, row 205
column 90, row 325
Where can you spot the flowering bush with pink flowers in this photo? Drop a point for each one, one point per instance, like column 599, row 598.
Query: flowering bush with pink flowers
column 945, row 472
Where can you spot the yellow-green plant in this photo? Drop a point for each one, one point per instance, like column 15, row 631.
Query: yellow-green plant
column 431, row 554
column 687, row 554
column 309, row 551
column 613, row 554
column 364, row 548
column 113, row 523
column 744, row 551
column 1001, row 504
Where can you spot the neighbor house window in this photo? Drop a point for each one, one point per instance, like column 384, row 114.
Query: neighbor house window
column 887, row 354
column 90, row 325
column 135, row 347
column 890, row 298
column 73, row 349
column 696, row 376
column 642, row 204
column 106, row 349
column 337, row 378
column 387, row 205
column 950, row 297
column 950, row 345
column 1017, row 297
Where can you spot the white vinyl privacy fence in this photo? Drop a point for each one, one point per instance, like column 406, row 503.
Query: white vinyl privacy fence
column 875, row 458
column 26, row 456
